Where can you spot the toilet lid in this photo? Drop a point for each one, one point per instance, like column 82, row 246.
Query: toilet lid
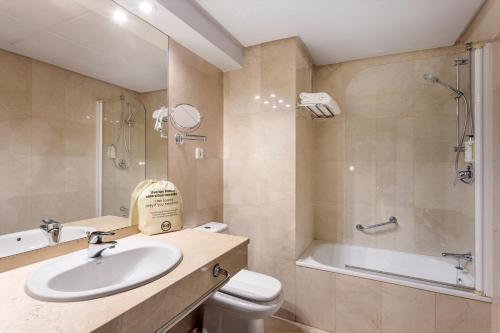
column 253, row 286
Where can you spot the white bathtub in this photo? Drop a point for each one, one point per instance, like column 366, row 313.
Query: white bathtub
column 436, row 274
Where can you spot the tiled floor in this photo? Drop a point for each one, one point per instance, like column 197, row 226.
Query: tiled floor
column 278, row 325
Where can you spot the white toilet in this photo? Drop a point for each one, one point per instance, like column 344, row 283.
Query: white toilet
column 243, row 303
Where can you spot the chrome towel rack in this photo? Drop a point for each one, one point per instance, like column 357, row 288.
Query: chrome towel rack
column 319, row 110
column 392, row 220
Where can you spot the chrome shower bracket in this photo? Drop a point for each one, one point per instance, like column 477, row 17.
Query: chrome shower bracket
column 180, row 138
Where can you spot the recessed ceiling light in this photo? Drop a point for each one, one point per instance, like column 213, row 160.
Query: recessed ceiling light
column 287, row 106
column 257, row 97
column 274, row 106
column 272, row 95
column 146, row 7
column 280, row 101
column 119, row 16
column 266, row 102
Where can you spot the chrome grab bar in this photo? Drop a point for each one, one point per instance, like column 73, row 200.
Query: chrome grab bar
column 392, row 220
column 217, row 270
column 466, row 256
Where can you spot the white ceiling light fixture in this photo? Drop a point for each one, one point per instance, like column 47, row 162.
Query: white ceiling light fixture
column 119, row 16
column 146, row 7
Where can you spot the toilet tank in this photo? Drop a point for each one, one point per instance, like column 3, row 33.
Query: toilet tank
column 213, row 227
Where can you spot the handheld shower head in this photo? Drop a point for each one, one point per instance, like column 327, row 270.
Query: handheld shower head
column 430, row 77
column 435, row 79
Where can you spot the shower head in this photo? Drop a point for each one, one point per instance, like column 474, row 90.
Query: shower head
column 435, row 79
column 430, row 77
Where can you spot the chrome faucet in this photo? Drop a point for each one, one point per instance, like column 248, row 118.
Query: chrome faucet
column 459, row 256
column 96, row 245
column 53, row 230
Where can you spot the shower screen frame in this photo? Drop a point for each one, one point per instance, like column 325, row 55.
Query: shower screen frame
column 98, row 196
column 483, row 113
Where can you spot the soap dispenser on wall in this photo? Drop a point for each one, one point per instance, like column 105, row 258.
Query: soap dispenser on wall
column 469, row 150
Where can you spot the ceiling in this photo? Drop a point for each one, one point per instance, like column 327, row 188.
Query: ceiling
column 341, row 30
column 70, row 35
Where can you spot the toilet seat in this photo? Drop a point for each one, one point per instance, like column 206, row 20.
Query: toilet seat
column 242, row 308
column 253, row 286
column 249, row 295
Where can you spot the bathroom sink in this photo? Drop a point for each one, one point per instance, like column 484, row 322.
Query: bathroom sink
column 75, row 277
column 33, row 239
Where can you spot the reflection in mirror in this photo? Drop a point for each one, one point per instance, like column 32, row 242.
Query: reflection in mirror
column 185, row 118
column 60, row 61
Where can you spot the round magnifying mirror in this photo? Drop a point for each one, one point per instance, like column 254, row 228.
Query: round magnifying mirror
column 185, row 118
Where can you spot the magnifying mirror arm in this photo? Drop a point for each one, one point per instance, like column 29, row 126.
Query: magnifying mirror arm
column 180, row 138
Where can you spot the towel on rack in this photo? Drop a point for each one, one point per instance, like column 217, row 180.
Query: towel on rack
column 315, row 98
column 319, row 98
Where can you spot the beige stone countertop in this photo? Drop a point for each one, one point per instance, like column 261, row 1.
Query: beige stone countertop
column 21, row 313
column 102, row 223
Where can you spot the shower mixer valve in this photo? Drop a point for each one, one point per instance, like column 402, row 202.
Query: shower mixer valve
column 465, row 176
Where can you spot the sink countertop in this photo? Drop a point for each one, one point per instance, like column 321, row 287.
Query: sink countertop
column 21, row 313
column 102, row 223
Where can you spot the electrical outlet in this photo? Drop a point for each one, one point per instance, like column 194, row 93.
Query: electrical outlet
column 199, row 153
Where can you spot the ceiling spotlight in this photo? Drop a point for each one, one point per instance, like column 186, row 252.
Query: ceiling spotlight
column 280, row 101
column 266, row 102
column 272, row 96
column 119, row 16
column 146, row 7
column 257, row 97
column 274, row 106
column 287, row 106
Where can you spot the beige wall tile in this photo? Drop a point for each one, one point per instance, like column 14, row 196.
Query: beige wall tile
column 81, row 205
column 485, row 25
column 276, row 134
column 259, row 159
column 16, row 84
column 358, row 305
column 51, row 206
column 315, row 298
column 246, row 221
column 15, row 175
column 48, row 89
column 15, row 134
column 407, row 310
column 326, row 215
column 393, row 145
column 242, row 86
column 208, row 183
column 329, row 140
column 193, row 80
column 241, row 135
column 277, row 232
column 459, row 315
column 15, row 214
column 283, row 270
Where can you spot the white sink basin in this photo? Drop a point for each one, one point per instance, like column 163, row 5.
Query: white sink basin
column 75, row 277
column 33, row 239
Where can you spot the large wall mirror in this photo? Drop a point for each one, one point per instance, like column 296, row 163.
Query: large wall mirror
column 79, row 82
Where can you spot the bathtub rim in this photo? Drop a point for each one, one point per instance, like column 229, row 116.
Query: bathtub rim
column 302, row 262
